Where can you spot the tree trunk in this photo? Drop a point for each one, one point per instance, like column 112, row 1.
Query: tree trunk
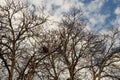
column 99, row 75
column 71, row 71
column 13, row 63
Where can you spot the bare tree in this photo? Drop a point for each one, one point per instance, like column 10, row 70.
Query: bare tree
column 29, row 52
column 19, row 23
column 74, row 43
column 104, row 57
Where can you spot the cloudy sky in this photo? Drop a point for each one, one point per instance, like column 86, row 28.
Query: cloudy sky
column 102, row 14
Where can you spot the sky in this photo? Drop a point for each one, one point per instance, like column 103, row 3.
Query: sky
column 101, row 14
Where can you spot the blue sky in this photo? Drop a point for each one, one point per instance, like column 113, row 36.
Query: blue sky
column 102, row 14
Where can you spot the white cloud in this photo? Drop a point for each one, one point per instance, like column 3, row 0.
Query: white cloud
column 117, row 11
column 2, row 2
column 117, row 20
column 95, row 5
column 116, row 23
column 91, row 10
column 36, row 2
